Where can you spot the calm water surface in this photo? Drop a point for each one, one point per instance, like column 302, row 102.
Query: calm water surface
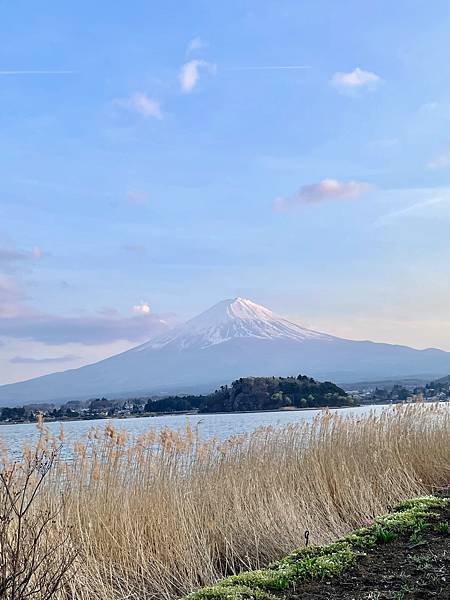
column 222, row 426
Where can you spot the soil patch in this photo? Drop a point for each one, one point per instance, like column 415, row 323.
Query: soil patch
column 408, row 567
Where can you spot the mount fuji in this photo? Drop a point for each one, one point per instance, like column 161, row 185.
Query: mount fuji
column 235, row 338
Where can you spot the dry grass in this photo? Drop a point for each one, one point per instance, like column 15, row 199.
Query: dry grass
column 160, row 515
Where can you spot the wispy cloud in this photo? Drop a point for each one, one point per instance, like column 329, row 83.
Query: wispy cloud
column 142, row 104
column 9, row 256
column 433, row 208
column 441, row 161
column 145, row 106
column 88, row 330
column 327, row 189
column 190, row 74
column 37, row 252
column 355, row 80
column 431, row 106
column 11, row 296
column 27, row 360
column 136, row 196
column 195, row 44
column 18, row 321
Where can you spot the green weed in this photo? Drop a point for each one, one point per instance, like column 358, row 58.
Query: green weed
column 384, row 536
column 443, row 527
column 316, row 562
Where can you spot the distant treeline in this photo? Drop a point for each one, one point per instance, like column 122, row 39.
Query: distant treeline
column 257, row 393
column 246, row 394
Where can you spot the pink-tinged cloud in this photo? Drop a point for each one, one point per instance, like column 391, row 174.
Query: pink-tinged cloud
column 37, row 252
column 8, row 256
column 327, row 189
column 441, row 161
column 11, row 295
column 138, row 197
column 142, row 309
column 19, row 321
column 89, row 330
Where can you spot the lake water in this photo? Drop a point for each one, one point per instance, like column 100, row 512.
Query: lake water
column 222, row 426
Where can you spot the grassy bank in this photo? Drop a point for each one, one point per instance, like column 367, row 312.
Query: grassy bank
column 402, row 554
column 161, row 515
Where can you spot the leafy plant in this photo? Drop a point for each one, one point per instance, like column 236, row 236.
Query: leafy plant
column 443, row 527
column 384, row 536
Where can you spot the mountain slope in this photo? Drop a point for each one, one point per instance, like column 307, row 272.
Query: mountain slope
column 231, row 319
column 234, row 338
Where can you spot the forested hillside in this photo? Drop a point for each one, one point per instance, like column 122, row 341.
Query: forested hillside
column 258, row 393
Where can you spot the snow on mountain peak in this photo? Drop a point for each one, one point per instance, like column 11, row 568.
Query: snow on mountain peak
column 229, row 310
column 230, row 319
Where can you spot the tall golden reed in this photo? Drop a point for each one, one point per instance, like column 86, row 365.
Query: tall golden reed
column 159, row 515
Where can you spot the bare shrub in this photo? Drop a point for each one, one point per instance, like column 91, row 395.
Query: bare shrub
column 36, row 555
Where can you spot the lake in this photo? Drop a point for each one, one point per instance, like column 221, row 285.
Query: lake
column 222, row 426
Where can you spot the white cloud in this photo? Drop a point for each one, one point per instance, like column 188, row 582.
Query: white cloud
column 146, row 106
column 142, row 104
column 142, row 309
column 190, row 74
column 327, row 189
column 441, row 161
column 355, row 80
column 195, row 44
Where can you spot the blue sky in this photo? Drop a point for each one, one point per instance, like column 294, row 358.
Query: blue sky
column 157, row 157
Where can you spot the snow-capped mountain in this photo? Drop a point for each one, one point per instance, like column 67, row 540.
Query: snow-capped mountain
column 230, row 319
column 235, row 338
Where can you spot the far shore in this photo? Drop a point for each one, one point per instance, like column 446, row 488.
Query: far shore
column 187, row 413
